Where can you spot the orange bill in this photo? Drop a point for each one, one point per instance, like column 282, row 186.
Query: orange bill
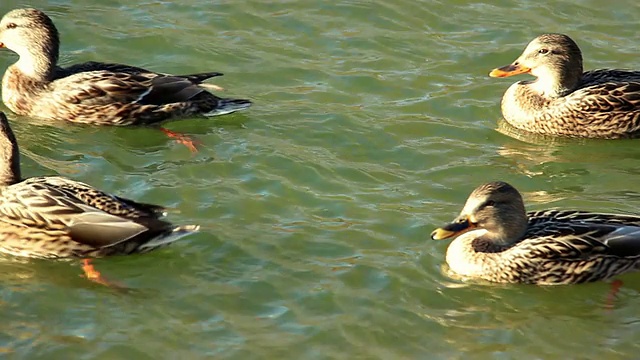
column 1, row 45
column 509, row 70
column 456, row 228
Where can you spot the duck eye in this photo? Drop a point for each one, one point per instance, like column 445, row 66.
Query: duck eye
column 490, row 203
column 543, row 51
column 12, row 25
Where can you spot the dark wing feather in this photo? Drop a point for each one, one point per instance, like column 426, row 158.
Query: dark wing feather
column 577, row 234
column 111, row 67
column 151, row 210
column 200, row 77
column 98, row 66
column 170, row 89
column 601, row 76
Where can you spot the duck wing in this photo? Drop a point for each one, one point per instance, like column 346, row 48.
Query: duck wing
column 88, row 216
column 607, row 93
column 618, row 97
column 96, row 88
column 98, row 66
column 577, row 234
column 100, row 200
column 128, row 69
column 602, row 76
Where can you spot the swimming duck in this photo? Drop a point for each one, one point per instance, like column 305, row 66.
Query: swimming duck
column 93, row 92
column 564, row 100
column 56, row 217
column 498, row 241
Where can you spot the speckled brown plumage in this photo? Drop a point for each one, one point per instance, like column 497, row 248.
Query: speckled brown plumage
column 564, row 100
column 498, row 241
column 93, row 92
column 51, row 217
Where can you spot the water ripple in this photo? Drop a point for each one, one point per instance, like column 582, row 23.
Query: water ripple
column 372, row 122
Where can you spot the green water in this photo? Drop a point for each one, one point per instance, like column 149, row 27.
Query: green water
column 371, row 124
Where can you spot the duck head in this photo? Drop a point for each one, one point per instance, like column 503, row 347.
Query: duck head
column 495, row 207
column 555, row 59
column 31, row 34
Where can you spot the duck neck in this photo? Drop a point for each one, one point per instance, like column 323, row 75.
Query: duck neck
column 553, row 89
column 504, row 236
column 492, row 242
column 9, row 154
column 555, row 84
column 39, row 60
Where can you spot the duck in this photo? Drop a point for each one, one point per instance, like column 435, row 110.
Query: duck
column 51, row 217
column 496, row 240
column 95, row 93
column 565, row 101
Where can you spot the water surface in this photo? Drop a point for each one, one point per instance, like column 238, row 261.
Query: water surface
column 372, row 122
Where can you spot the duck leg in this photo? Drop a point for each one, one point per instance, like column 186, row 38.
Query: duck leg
column 94, row 275
column 615, row 288
column 182, row 139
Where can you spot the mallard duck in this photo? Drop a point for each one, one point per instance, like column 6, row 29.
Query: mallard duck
column 564, row 100
column 56, row 217
column 498, row 241
column 94, row 93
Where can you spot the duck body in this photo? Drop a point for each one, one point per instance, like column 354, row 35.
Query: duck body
column 498, row 242
column 606, row 105
column 56, row 217
column 94, row 93
column 118, row 95
column 564, row 100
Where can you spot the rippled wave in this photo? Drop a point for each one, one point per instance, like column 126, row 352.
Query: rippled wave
column 372, row 122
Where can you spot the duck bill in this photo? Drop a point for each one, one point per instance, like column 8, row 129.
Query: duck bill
column 1, row 45
column 509, row 70
column 458, row 227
